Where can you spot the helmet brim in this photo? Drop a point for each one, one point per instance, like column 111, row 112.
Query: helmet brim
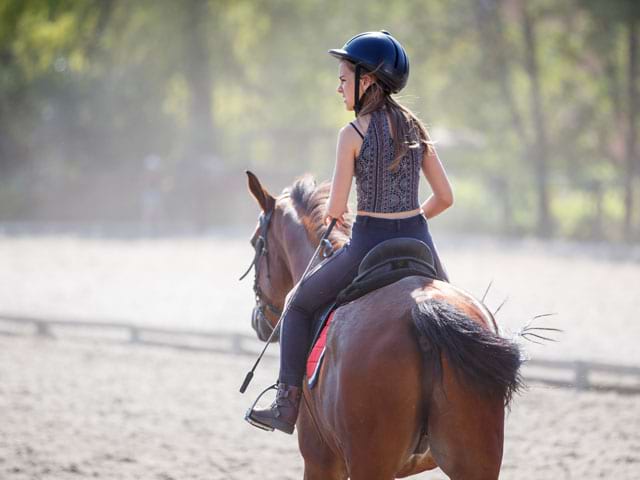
column 341, row 54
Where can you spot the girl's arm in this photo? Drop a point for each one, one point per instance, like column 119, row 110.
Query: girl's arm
column 442, row 196
column 342, row 174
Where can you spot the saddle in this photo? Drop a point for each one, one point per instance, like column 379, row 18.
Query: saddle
column 385, row 264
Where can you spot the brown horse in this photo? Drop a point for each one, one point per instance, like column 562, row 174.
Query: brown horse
column 415, row 374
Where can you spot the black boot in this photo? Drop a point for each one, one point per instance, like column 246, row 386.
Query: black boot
column 283, row 412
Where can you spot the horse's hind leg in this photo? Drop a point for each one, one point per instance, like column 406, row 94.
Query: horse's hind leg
column 466, row 433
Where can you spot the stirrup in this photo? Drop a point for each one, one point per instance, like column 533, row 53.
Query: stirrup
column 253, row 421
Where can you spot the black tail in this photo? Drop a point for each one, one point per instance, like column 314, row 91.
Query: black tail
column 490, row 363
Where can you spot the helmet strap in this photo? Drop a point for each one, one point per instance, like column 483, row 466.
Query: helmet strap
column 356, row 105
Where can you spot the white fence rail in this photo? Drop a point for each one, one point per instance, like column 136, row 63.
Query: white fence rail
column 581, row 375
column 220, row 342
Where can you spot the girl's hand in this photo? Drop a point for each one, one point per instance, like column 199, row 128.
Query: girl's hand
column 340, row 221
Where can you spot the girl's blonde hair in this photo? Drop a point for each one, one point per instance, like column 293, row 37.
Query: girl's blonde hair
column 407, row 129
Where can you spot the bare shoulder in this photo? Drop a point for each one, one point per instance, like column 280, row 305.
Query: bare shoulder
column 352, row 137
column 429, row 153
column 349, row 136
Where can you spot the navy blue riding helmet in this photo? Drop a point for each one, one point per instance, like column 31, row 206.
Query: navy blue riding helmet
column 378, row 53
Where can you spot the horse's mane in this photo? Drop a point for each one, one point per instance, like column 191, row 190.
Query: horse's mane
column 310, row 202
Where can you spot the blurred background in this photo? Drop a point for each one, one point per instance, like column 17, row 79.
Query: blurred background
column 125, row 130
column 142, row 116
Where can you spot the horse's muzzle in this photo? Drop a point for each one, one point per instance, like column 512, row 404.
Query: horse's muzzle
column 262, row 326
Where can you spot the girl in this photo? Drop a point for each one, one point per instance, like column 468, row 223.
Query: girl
column 384, row 148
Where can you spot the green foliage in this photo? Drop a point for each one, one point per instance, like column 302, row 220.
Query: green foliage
column 90, row 89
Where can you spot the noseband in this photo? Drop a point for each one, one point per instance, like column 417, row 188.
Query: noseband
column 260, row 250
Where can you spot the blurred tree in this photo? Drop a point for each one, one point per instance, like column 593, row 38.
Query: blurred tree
column 497, row 67
column 609, row 17
column 198, row 76
column 538, row 151
column 533, row 104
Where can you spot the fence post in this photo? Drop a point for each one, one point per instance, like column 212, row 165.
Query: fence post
column 236, row 343
column 42, row 329
column 135, row 334
column 582, row 375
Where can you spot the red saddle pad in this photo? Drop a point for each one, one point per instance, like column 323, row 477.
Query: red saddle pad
column 314, row 361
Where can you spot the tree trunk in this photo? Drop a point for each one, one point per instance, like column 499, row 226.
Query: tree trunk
column 631, row 140
column 105, row 11
column 538, row 152
column 198, row 76
column 200, row 147
column 491, row 32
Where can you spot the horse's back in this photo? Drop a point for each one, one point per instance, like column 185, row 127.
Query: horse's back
column 381, row 321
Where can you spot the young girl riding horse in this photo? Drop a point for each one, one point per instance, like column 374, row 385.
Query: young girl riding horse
column 384, row 148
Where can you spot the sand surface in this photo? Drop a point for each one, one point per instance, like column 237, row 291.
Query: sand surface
column 72, row 408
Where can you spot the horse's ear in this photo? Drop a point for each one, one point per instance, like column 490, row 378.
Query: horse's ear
column 264, row 198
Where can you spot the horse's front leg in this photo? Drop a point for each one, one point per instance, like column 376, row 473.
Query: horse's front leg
column 321, row 462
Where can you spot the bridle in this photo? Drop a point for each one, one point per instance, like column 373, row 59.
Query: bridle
column 260, row 250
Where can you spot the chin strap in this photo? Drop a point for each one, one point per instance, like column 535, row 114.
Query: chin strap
column 356, row 105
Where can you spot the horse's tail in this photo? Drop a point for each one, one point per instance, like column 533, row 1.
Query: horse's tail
column 489, row 362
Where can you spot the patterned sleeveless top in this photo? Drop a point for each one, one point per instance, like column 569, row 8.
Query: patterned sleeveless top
column 379, row 189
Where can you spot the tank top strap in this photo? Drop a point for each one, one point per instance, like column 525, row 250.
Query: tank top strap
column 357, row 129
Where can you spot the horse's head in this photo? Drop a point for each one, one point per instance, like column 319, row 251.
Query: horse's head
column 288, row 230
column 272, row 278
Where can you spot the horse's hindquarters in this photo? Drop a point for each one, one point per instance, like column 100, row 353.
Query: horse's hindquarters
column 475, row 373
column 386, row 376
column 371, row 394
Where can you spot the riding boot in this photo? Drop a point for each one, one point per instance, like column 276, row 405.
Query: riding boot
column 283, row 412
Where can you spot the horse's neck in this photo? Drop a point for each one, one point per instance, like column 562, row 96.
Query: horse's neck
column 298, row 250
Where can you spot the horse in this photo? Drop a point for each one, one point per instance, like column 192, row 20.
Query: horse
column 416, row 374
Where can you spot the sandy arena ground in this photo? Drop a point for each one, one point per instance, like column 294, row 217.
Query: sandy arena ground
column 74, row 408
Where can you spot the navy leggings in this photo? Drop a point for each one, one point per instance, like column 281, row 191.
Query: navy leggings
column 330, row 277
